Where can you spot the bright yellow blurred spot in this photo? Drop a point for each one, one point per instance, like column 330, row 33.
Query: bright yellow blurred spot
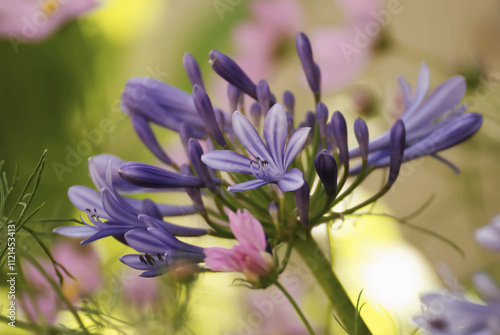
column 122, row 20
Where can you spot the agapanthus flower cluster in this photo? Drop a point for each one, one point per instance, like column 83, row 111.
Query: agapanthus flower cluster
column 451, row 312
column 267, row 178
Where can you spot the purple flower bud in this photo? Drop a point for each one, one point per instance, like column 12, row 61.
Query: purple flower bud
column 322, row 118
column 326, row 168
column 235, row 97
column 311, row 70
column 145, row 133
column 232, row 73
column 255, row 114
column 310, row 121
column 273, row 210
column 339, row 128
column 207, row 114
column 289, row 102
column 192, row 70
column 149, row 208
column 264, row 96
column 195, row 152
column 302, row 201
column 193, row 193
column 289, row 120
column 330, row 138
column 362, row 135
column 151, row 176
column 185, row 134
column 397, row 147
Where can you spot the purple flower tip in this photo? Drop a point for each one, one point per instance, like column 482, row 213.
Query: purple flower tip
column 362, row 135
column 339, row 127
column 311, row 70
column 326, row 168
column 397, row 146
column 192, row 69
column 207, row 113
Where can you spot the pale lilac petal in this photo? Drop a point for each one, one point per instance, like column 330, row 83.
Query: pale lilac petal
column 247, row 185
column 291, row 181
column 420, row 91
column 227, row 160
column 117, row 210
column 143, row 241
column 443, row 99
column 295, row 144
column 86, row 199
column 106, row 232
column 134, row 262
column 172, row 228
column 249, row 138
column 275, row 133
column 406, row 90
column 489, row 237
column 222, row 259
column 76, row 231
column 247, row 230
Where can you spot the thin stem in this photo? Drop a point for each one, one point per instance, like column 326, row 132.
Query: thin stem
column 296, row 307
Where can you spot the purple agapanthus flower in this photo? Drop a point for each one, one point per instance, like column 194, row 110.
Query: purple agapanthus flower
column 489, row 235
column 449, row 315
column 432, row 123
column 161, row 249
column 271, row 161
column 110, row 214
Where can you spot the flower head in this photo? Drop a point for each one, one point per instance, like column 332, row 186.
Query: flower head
column 34, row 21
column 271, row 161
column 249, row 256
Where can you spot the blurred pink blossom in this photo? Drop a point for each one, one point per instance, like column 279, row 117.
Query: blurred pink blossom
column 141, row 292
column 83, row 263
column 249, row 256
column 341, row 51
column 35, row 20
column 258, row 41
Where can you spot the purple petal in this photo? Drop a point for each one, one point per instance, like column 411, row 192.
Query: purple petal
column 249, row 138
column 406, row 90
column 147, row 137
column 247, row 185
column 192, row 69
column 171, row 241
column 151, row 176
column 443, row 99
column 420, row 91
column 106, row 232
column 134, row 261
column 86, row 199
column 76, row 231
column 165, row 210
column 291, row 181
column 142, row 240
column 172, row 228
column 118, row 211
column 227, row 160
column 275, row 133
column 295, row 144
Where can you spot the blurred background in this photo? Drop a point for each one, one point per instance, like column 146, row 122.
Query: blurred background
column 61, row 93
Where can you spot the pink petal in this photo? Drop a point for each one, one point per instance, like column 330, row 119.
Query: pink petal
column 222, row 259
column 247, row 230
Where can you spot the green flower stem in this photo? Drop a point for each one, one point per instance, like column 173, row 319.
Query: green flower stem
column 296, row 307
column 321, row 269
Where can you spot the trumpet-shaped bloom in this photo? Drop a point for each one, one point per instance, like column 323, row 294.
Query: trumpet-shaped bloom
column 161, row 249
column 33, row 21
column 271, row 161
column 432, row 124
column 249, row 256
column 110, row 214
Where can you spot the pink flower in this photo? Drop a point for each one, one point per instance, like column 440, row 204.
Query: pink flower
column 141, row 292
column 34, row 20
column 259, row 41
column 43, row 304
column 249, row 256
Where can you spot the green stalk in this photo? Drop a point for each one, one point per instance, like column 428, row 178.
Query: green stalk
column 321, row 269
column 296, row 307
